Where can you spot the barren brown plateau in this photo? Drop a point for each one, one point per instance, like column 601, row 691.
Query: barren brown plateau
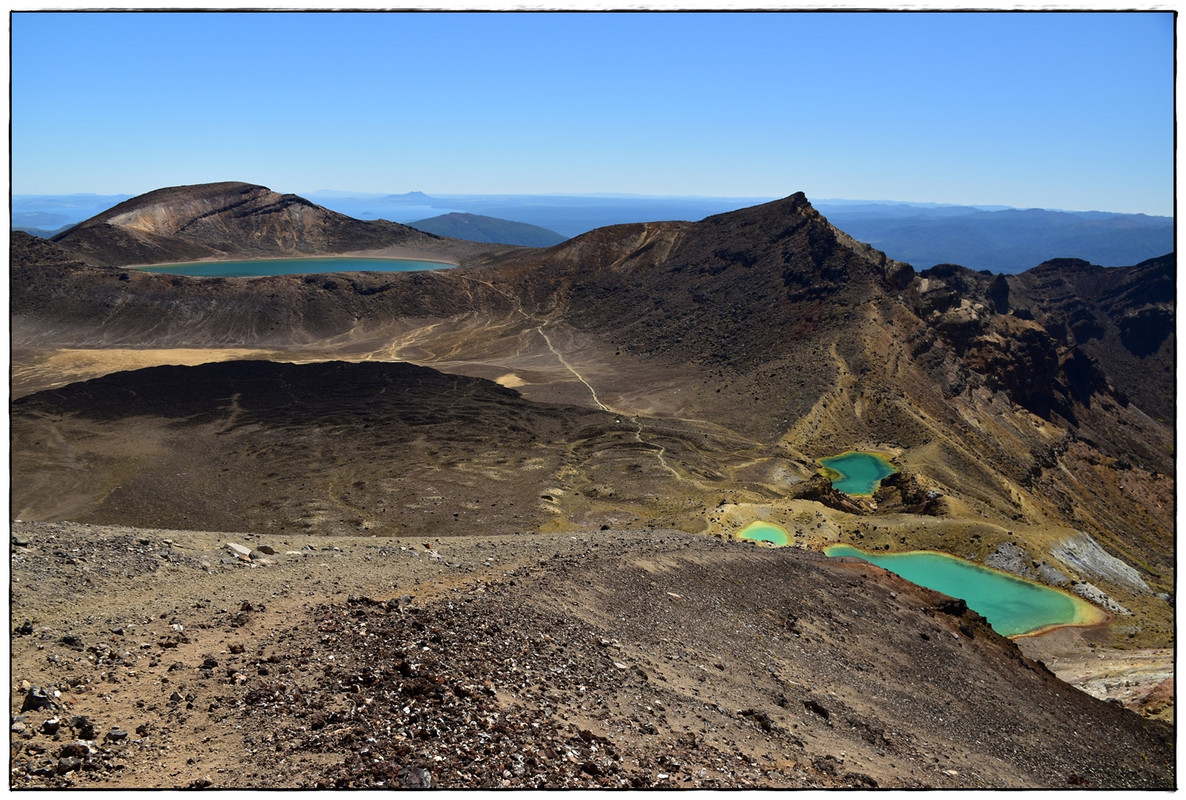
column 487, row 515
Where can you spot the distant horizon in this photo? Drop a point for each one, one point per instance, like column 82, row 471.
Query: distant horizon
column 922, row 233
column 1050, row 109
column 347, row 193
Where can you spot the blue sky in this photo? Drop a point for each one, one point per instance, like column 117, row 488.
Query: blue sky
column 1055, row 110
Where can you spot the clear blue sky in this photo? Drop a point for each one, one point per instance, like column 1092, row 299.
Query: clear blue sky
column 1055, row 110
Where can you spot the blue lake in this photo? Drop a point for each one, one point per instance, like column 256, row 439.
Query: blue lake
column 292, row 266
column 1011, row 605
column 855, row 472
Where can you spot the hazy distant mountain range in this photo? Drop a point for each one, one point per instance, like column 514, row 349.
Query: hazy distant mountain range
column 995, row 238
column 1005, row 240
column 48, row 214
column 479, row 228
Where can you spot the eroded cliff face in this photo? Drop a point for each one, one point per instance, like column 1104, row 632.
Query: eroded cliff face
column 1060, row 351
column 1121, row 317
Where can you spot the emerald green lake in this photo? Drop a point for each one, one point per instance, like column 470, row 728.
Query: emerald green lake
column 292, row 266
column 1011, row 605
column 855, row 472
column 765, row 532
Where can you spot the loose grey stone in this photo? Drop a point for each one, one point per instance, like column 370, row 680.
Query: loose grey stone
column 80, row 748
column 1083, row 553
column 35, row 699
column 1094, row 594
column 82, row 727
column 44, row 768
column 418, row 778
column 69, row 764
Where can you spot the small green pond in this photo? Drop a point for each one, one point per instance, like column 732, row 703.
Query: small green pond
column 856, row 472
column 292, row 266
column 765, row 532
column 1011, row 605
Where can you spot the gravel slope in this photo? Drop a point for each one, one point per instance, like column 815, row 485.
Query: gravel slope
column 150, row 658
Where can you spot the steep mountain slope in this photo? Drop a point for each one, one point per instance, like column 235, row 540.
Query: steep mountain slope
column 478, row 228
column 232, row 220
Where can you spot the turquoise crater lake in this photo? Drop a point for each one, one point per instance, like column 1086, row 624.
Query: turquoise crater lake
column 1011, row 605
column 765, row 532
column 856, row 472
column 292, row 266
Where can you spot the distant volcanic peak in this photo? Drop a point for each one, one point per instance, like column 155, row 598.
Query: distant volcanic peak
column 409, row 197
column 206, row 210
column 165, row 211
column 198, row 191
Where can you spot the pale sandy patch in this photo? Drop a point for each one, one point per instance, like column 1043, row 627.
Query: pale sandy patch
column 510, row 380
column 52, row 368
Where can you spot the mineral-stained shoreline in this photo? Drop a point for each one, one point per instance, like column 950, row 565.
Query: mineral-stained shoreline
column 152, row 658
